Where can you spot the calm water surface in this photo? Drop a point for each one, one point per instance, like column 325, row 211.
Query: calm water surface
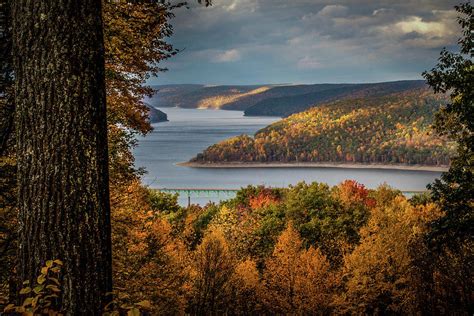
column 189, row 131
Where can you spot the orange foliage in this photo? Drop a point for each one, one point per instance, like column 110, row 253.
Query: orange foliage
column 149, row 264
column 240, row 267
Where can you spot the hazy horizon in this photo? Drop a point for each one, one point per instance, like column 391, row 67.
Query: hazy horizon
column 278, row 84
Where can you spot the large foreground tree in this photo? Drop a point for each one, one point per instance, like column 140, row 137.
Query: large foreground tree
column 61, row 130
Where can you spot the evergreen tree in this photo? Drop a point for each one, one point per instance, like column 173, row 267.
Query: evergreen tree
column 454, row 74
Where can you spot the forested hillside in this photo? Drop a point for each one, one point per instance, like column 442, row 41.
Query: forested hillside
column 287, row 105
column 393, row 129
column 155, row 115
column 269, row 100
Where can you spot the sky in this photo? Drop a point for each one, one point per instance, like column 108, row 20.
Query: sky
column 308, row 41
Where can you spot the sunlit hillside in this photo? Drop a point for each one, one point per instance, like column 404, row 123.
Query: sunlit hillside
column 234, row 95
column 269, row 100
column 390, row 129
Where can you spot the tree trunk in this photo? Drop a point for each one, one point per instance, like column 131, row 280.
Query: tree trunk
column 61, row 129
column 6, row 82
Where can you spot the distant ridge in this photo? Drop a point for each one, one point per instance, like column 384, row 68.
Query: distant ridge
column 285, row 106
column 269, row 100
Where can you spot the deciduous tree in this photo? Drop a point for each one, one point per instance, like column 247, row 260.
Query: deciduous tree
column 213, row 267
column 295, row 280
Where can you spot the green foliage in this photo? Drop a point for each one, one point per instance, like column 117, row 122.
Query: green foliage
column 454, row 74
column 393, row 129
column 271, row 222
column 325, row 217
column 42, row 295
column 165, row 203
column 421, row 199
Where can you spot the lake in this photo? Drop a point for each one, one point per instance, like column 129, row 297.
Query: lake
column 189, row 131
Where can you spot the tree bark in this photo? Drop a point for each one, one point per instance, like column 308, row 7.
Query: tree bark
column 6, row 79
column 61, row 131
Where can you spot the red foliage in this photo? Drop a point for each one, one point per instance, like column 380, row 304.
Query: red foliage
column 352, row 192
column 263, row 199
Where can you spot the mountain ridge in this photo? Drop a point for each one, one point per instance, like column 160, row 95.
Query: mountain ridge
column 265, row 100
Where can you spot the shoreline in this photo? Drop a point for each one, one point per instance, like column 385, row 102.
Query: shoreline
column 230, row 165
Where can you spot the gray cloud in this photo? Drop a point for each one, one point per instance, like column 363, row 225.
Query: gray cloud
column 272, row 41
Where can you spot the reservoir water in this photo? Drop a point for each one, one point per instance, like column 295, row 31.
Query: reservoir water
column 189, row 131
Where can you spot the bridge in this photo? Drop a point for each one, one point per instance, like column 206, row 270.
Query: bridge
column 201, row 192
column 229, row 193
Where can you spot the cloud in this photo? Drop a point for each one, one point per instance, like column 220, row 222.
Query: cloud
column 238, row 5
column 308, row 63
column 382, row 11
column 271, row 41
column 334, row 11
column 414, row 31
column 416, row 24
column 227, row 56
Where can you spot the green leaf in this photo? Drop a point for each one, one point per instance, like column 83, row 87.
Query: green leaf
column 38, row 289
column 25, row 290
column 44, row 270
column 34, row 302
column 134, row 312
column 49, row 263
column 27, row 301
column 144, row 304
column 54, row 280
column 53, row 288
column 41, row 279
column 20, row 309
column 9, row 308
column 26, row 282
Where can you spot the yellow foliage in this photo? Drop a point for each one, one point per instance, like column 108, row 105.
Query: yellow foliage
column 295, row 280
column 245, row 286
column 212, row 269
column 378, row 271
